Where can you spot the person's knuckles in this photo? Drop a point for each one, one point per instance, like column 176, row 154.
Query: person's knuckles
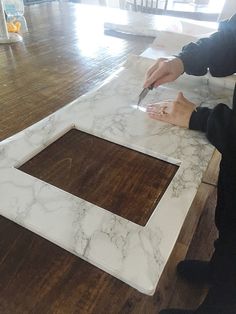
column 150, row 71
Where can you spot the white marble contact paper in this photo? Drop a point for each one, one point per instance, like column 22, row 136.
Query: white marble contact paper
column 171, row 32
column 132, row 253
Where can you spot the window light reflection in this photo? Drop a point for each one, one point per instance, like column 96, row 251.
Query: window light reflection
column 91, row 37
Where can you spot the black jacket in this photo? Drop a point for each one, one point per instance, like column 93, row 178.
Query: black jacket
column 218, row 54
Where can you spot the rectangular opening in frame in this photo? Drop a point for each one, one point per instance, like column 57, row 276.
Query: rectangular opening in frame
column 118, row 179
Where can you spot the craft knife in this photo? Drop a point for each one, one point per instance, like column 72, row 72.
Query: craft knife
column 143, row 94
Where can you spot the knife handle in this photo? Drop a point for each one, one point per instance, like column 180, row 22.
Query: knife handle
column 151, row 86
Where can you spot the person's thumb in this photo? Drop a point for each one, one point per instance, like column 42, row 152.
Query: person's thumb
column 180, row 97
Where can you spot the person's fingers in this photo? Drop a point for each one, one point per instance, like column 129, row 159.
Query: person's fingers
column 157, row 106
column 180, row 96
column 160, row 117
column 162, row 106
column 149, row 74
column 156, row 116
column 164, row 79
column 151, row 109
column 152, row 115
column 150, row 81
column 155, row 73
column 157, row 113
column 154, row 67
column 158, row 74
column 163, row 71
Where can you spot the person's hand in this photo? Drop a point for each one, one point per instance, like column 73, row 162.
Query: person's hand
column 163, row 71
column 177, row 112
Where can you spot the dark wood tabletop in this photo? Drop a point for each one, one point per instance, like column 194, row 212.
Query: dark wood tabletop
column 64, row 54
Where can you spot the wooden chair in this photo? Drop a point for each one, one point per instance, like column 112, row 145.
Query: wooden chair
column 147, row 6
column 160, row 7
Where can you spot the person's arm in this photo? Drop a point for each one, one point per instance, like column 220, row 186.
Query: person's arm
column 216, row 52
column 218, row 125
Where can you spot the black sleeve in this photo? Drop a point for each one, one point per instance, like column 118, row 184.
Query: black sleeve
column 216, row 53
column 219, row 124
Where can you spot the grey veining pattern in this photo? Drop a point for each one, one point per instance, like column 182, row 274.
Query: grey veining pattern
column 106, row 240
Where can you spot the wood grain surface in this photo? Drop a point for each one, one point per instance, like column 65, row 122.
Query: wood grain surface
column 121, row 180
column 65, row 54
column 39, row 277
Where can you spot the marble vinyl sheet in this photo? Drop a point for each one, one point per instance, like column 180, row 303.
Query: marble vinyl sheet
column 171, row 32
column 131, row 253
column 138, row 23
